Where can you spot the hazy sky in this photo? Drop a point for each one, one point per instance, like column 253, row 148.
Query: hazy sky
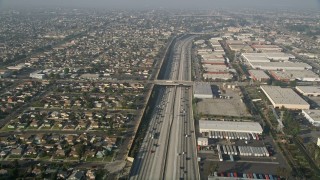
column 180, row 4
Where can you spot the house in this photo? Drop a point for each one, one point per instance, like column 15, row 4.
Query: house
column 3, row 171
column 100, row 154
column 31, row 151
column 36, row 171
column 77, row 175
column 89, row 154
column 90, row 175
column 16, row 152
column 55, row 137
column 34, row 124
column 74, row 154
column 94, row 125
column 60, row 153
column 62, row 174
column 3, row 154
column 69, row 139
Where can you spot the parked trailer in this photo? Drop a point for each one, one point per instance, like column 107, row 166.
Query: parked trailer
column 250, row 151
column 214, row 135
column 220, row 156
column 244, row 175
column 231, row 135
column 229, row 150
column 219, row 134
column 231, row 158
column 254, row 176
column 235, row 174
column 259, row 151
column 218, row 148
column 232, row 151
column 271, row 177
column 255, row 151
column 237, row 134
column 253, row 136
column 248, row 137
column 235, row 150
column 241, row 150
column 244, row 152
column 240, row 135
column 262, row 151
column 245, row 136
column 224, row 135
column 266, row 151
column 224, row 149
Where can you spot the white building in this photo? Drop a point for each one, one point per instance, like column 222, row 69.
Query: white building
column 37, row 75
column 284, row 97
column 313, row 116
column 280, row 66
column 202, row 141
column 230, row 126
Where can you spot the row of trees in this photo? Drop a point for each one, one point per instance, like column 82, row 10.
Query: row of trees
column 291, row 126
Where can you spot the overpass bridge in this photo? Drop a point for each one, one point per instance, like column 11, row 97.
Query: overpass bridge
column 172, row 83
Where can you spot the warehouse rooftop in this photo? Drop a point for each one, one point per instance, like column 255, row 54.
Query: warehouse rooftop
column 203, row 88
column 283, row 95
column 259, row 74
column 309, row 89
column 230, row 126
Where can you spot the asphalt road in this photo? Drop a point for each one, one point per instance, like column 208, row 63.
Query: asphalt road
column 169, row 148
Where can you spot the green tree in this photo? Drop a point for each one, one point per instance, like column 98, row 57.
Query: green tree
column 66, row 70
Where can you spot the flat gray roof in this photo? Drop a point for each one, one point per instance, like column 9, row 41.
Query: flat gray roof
column 283, row 95
column 314, row 114
column 202, row 89
column 291, row 74
column 259, row 74
column 309, row 89
column 282, row 64
column 230, row 126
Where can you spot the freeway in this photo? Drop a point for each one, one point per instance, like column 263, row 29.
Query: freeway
column 169, row 148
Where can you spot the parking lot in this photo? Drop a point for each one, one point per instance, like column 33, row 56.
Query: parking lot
column 229, row 105
column 241, row 164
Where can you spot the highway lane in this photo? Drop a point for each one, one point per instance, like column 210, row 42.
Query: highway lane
column 171, row 155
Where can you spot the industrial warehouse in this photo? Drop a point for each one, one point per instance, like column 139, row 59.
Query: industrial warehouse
column 291, row 75
column 284, row 97
column 259, row 75
column 309, row 90
column 203, row 91
column 273, row 61
column 313, row 116
column 230, row 126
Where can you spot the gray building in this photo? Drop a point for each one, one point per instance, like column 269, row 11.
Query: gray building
column 203, row 91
